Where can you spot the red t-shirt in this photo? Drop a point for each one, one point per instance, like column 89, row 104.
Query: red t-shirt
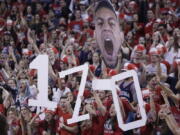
column 111, row 127
column 65, row 117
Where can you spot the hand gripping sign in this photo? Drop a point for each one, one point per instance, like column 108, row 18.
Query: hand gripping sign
column 41, row 64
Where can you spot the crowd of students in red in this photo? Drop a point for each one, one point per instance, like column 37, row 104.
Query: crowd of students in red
column 65, row 32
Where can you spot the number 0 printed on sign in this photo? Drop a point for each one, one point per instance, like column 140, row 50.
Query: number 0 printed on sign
column 110, row 84
column 41, row 64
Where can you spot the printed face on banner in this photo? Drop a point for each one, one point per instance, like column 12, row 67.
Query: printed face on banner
column 109, row 36
column 109, row 39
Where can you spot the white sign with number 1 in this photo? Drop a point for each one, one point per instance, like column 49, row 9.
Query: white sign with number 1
column 41, row 64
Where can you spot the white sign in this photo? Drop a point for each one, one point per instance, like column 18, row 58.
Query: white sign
column 41, row 64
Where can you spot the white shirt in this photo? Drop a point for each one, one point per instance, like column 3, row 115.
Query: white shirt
column 57, row 93
column 151, row 69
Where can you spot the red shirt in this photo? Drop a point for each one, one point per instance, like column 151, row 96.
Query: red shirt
column 65, row 116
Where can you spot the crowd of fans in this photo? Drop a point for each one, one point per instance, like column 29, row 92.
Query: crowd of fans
column 64, row 30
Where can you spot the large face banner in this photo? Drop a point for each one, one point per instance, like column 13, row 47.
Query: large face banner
column 109, row 39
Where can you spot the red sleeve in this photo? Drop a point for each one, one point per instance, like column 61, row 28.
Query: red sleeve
column 127, row 106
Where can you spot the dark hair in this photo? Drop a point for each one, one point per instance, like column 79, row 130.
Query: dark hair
column 149, row 77
column 105, row 4
column 63, row 97
column 3, row 125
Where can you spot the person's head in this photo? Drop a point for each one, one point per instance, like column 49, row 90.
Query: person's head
column 63, row 103
column 26, row 112
column 138, row 53
column 96, row 57
column 29, row 9
column 176, row 33
column 151, row 80
column 78, row 14
column 156, row 37
column 70, row 97
column 22, row 85
column 142, row 40
column 101, row 94
column 12, row 83
column 108, row 33
column 154, row 55
column 12, row 113
column 162, row 28
column 74, row 82
column 49, row 115
column 69, row 50
column 135, row 17
column 150, row 15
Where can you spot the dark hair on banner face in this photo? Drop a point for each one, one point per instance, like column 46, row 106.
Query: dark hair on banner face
column 105, row 4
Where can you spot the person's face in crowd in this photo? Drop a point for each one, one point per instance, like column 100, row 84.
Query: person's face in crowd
column 74, row 82
column 155, row 26
column 142, row 40
column 62, row 3
column 150, row 15
column 156, row 37
column 161, row 29
column 51, row 55
column 11, row 115
column 82, row 7
column 37, row 18
column 153, row 83
column 29, row 10
column 62, row 20
column 137, row 56
column 129, row 37
column 70, row 97
column 95, row 58
column 48, row 116
column 135, row 17
column 78, row 14
column 154, row 58
column 63, row 84
column 14, row 10
column 171, row 40
column 38, row 7
column 109, row 37
column 22, row 85
column 176, row 32
column 64, row 104
column 54, row 34
column 25, row 112
column 63, row 65
column 22, row 64
column 49, row 91
column 112, row 111
column 69, row 50
column 42, row 48
column 101, row 94
column 12, row 83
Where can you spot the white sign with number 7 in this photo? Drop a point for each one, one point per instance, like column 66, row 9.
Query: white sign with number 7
column 41, row 64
